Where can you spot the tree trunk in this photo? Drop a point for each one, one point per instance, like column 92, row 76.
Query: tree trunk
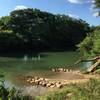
column 92, row 68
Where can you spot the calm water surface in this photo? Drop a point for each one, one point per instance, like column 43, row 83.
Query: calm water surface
column 39, row 64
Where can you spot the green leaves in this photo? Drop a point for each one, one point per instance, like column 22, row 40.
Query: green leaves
column 35, row 30
column 91, row 44
column 97, row 3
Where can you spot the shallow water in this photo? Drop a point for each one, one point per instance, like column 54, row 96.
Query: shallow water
column 38, row 64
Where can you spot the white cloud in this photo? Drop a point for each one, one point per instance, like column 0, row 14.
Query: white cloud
column 74, row 16
column 96, row 14
column 80, row 1
column 76, row 1
column 20, row 7
column 93, row 1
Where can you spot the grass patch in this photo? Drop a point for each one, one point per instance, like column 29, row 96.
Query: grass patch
column 86, row 91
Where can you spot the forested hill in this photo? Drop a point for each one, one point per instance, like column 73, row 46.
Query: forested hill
column 35, row 30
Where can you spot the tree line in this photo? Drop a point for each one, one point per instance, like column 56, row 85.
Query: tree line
column 90, row 46
column 97, row 6
column 34, row 30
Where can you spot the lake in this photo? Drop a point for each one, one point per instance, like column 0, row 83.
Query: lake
column 37, row 64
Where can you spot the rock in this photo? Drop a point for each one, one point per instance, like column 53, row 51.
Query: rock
column 36, row 78
column 37, row 82
column 46, row 80
column 64, row 84
column 52, row 83
column 61, row 69
column 43, row 84
column 29, row 79
column 53, row 70
column 59, row 85
column 32, row 81
column 52, row 86
column 48, row 84
column 70, row 70
column 41, row 79
column 64, row 70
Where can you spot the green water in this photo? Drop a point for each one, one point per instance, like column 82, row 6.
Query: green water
column 36, row 64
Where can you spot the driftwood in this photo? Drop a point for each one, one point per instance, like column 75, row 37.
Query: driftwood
column 95, row 60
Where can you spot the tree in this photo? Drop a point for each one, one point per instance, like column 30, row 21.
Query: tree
column 4, row 22
column 95, row 60
column 90, row 46
column 97, row 5
column 35, row 30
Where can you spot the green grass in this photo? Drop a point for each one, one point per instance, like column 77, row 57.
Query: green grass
column 85, row 91
column 88, row 91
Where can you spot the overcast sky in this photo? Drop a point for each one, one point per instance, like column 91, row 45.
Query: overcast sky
column 75, row 8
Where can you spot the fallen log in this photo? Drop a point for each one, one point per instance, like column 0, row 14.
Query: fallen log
column 94, row 66
column 95, row 60
column 87, row 60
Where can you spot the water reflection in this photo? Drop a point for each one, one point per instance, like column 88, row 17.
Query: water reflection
column 25, row 57
column 26, row 90
column 36, row 58
column 33, row 58
column 34, row 90
column 86, row 65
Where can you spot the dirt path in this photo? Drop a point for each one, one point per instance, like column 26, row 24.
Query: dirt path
column 61, row 79
column 54, row 82
column 71, row 77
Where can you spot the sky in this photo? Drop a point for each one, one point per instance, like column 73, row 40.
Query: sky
column 82, row 9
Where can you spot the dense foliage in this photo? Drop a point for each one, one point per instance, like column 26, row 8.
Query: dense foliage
column 90, row 46
column 97, row 4
column 35, row 30
column 11, row 94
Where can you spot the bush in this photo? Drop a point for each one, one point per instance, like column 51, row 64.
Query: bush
column 11, row 94
column 91, row 44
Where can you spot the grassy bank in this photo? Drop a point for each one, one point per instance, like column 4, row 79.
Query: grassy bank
column 83, row 91
column 87, row 91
